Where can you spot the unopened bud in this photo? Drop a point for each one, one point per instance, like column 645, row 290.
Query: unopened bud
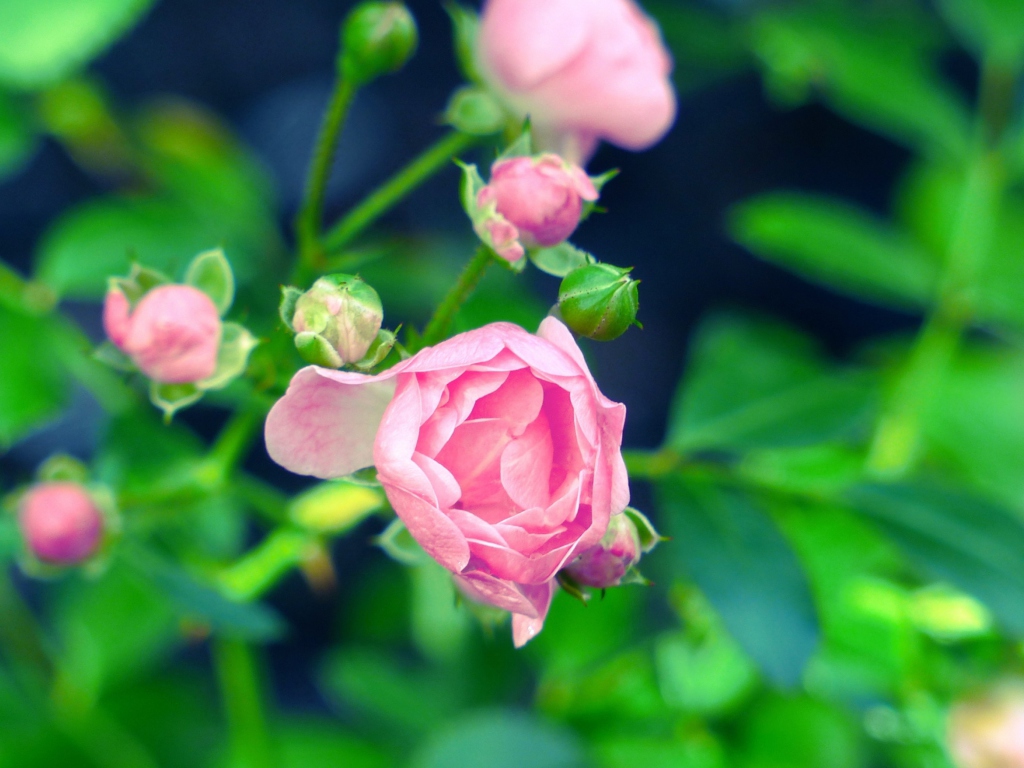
column 607, row 562
column 377, row 38
column 599, row 301
column 336, row 321
column 61, row 523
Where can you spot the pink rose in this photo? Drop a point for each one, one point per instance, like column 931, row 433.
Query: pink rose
column 541, row 197
column 989, row 731
column 173, row 334
column 583, row 70
column 495, row 448
column 60, row 523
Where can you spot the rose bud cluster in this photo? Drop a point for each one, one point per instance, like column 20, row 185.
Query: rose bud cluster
column 173, row 333
column 337, row 322
column 60, row 523
column 988, row 732
column 583, row 70
column 599, row 301
column 495, row 448
column 529, row 202
column 613, row 559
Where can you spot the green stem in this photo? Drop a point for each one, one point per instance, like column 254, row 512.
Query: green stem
column 464, row 286
column 395, row 189
column 263, row 567
column 897, row 435
column 263, row 497
column 20, row 639
column 309, row 221
column 242, row 692
column 232, row 444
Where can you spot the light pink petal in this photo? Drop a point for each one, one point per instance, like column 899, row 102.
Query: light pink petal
column 523, row 541
column 174, row 334
column 325, row 426
column 525, row 627
column 116, row 310
column 525, row 41
column 561, row 509
column 441, row 480
column 472, row 456
column 506, row 563
column 437, row 431
column 398, row 432
column 475, row 529
column 439, row 536
column 471, row 387
column 526, row 466
column 554, row 330
column 501, row 593
column 517, row 402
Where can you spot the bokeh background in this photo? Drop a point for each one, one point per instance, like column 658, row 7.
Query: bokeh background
column 379, row 668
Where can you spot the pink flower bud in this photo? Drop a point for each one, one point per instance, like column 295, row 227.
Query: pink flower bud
column 583, row 70
column 60, row 523
column 606, row 563
column 173, row 334
column 989, row 731
column 542, row 197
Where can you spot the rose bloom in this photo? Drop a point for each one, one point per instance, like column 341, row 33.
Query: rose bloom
column 60, row 523
column 541, row 197
column 173, row 334
column 583, row 70
column 989, row 732
column 495, row 448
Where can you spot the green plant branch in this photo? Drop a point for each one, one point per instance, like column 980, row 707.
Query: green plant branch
column 457, row 295
column 309, row 220
column 21, row 641
column 241, row 690
column 23, row 295
column 262, row 567
column 395, row 189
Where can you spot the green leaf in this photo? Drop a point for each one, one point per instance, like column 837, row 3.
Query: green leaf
column 707, row 677
column 966, row 540
column 804, row 732
column 498, row 740
column 757, row 384
column 194, row 600
column 879, row 75
column 33, row 385
column 45, row 40
column 560, row 260
column 211, row 273
column 476, row 112
column 991, row 28
column 314, row 743
column 465, row 31
column 837, row 245
column 17, row 136
column 726, row 543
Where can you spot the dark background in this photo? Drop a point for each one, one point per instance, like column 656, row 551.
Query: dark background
column 266, row 67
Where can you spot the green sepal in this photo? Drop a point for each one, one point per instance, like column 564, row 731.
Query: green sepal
column 399, row 544
column 469, row 188
column 633, row 576
column 108, row 354
column 211, row 273
column 171, row 398
column 572, row 587
column 63, row 468
column 379, row 349
column 515, row 267
column 476, row 112
column 289, row 298
column 591, row 206
column 649, row 536
column 559, row 260
column 138, row 283
column 522, row 146
column 465, row 32
column 316, row 350
column 236, row 344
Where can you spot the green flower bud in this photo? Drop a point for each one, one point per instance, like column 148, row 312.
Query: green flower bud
column 377, row 38
column 599, row 301
column 336, row 321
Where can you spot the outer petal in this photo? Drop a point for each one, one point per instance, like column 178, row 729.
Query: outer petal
column 116, row 311
column 524, row 627
column 522, row 42
column 327, row 421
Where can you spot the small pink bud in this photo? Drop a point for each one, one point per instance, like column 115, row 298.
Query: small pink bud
column 173, row 334
column 606, row 563
column 542, row 197
column 60, row 522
